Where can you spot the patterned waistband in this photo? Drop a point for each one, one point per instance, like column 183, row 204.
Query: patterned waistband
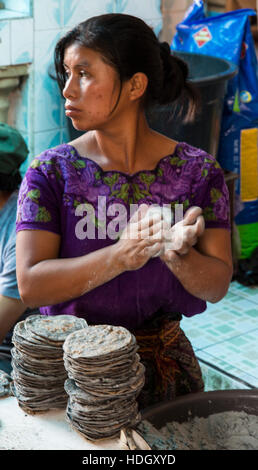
column 164, row 331
column 155, row 346
column 158, row 319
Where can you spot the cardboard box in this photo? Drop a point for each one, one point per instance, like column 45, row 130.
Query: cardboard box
column 170, row 20
column 175, row 5
column 173, row 12
column 237, row 4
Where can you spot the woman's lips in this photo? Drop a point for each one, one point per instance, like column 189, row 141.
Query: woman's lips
column 71, row 111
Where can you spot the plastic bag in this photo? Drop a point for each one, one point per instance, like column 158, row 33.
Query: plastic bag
column 229, row 37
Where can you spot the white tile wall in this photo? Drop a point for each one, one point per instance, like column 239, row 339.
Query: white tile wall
column 10, row 14
column 147, row 10
column 48, row 14
column 45, row 140
column 47, row 99
column 40, row 116
column 142, row 9
column 155, row 24
column 64, row 135
column 22, row 6
column 21, row 118
column 21, row 41
column 5, row 43
column 76, row 11
column 25, row 164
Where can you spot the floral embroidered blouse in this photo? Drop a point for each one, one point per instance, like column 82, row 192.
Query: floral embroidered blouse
column 59, row 180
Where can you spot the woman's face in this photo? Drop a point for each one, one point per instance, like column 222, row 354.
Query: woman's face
column 91, row 90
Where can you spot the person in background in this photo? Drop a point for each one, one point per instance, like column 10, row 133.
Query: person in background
column 13, row 152
column 111, row 68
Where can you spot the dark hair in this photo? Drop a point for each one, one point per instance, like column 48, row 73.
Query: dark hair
column 10, row 182
column 129, row 45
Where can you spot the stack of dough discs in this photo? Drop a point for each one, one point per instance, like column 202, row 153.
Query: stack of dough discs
column 105, row 378
column 37, row 360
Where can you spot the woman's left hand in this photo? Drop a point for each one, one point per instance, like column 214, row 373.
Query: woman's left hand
column 183, row 235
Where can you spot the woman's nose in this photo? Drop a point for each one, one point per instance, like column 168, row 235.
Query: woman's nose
column 70, row 90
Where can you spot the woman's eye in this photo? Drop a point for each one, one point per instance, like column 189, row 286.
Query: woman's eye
column 83, row 73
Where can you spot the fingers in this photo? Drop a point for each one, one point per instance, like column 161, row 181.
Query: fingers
column 191, row 215
column 152, row 231
column 154, row 250
column 145, row 224
column 149, row 225
column 143, row 218
column 182, row 238
column 139, row 213
column 154, row 237
column 200, row 226
column 190, row 234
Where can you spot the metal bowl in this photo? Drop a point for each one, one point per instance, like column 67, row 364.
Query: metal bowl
column 201, row 404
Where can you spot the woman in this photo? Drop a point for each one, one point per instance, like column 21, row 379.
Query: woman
column 13, row 152
column 110, row 68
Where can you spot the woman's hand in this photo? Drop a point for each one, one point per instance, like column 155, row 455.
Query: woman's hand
column 183, row 235
column 140, row 239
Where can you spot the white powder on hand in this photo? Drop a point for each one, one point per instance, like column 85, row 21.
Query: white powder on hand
column 165, row 214
column 229, row 430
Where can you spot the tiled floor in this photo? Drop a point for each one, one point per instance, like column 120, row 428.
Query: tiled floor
column 225, row 339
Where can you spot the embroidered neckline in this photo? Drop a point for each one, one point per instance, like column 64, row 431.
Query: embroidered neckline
column 154, row 170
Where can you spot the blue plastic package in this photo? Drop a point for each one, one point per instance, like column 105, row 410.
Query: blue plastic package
column 229, row 37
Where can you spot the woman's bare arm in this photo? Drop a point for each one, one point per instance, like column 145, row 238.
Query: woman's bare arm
column 206, row 270
column 45, row 279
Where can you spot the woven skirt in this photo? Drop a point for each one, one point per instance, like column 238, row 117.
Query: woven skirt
column 171, row 367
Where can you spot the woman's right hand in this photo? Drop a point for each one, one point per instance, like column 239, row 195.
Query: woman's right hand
column 140, row 240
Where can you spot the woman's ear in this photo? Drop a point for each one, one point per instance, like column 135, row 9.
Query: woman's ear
column 138, row 85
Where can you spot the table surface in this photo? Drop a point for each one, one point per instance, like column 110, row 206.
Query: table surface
column 43, row 431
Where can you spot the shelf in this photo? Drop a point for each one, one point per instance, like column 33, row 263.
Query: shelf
column 11, row 14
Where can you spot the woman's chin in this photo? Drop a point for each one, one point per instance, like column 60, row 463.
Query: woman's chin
column 83, row 127
column 78, row 126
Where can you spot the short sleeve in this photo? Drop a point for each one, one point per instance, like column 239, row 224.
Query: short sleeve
column 39, row 200
column 212, row 195
column 8, row 280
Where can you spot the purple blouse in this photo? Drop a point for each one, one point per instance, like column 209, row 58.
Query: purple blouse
column 60, row 180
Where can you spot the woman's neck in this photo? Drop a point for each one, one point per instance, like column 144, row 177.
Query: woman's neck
column 125, row 144
column 120, row 146
column 128, row 145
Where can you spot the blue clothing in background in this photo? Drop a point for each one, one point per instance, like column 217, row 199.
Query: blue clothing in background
column 8, row 280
